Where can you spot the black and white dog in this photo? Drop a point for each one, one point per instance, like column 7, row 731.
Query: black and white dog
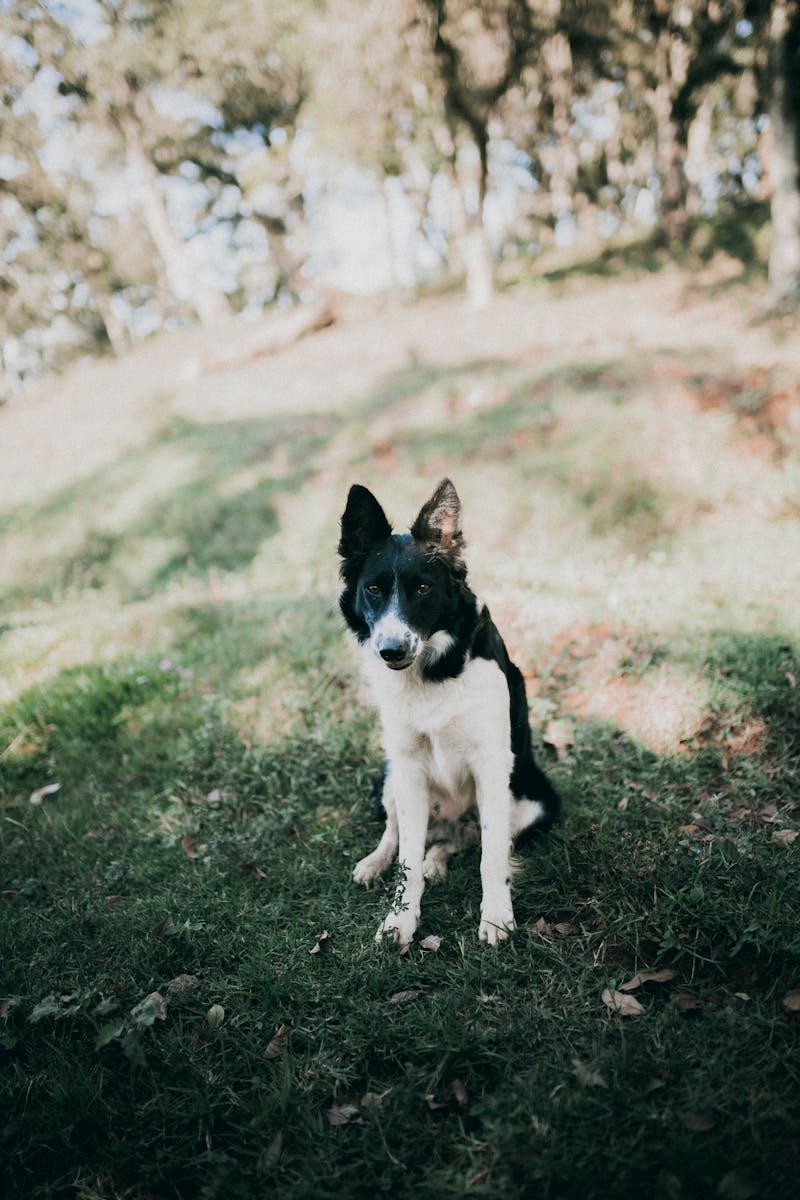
column 452, row 707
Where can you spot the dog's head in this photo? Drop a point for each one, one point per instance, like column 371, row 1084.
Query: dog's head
column 400, row 589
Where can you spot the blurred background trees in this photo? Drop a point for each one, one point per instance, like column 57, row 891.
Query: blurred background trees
column 169, row 161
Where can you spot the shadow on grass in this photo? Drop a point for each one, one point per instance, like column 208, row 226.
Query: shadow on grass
column 211, row 506
column 175, row 852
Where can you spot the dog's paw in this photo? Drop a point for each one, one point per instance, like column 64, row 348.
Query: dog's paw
column 397, row 929
column 369, row 868
column 496, row 928
column 434, row 868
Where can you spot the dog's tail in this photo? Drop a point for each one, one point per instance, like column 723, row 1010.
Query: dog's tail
column 537, row 803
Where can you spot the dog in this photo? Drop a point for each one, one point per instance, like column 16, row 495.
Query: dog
column 452, row 706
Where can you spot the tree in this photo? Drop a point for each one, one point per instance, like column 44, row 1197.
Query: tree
column 480, row 51
column 784, row 164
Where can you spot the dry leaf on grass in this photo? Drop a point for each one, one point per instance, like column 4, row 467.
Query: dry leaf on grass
column 459, row 1092
column 215, row 1016
column 405, row 997
column 277, row 1045
column 180, row 987
column 586, row 1077
column 189, row 846
column 783, row 837
column 697, row 1122
column 340, row 1114
column 737, row 1185
column 43, row 792
column 269, row 1159
column 431, row 942
column 641, row 977
column 791, row 1002
column 324, row 943
column 541, row 927
column 619, row 1002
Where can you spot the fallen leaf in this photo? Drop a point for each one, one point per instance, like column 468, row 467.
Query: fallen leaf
column 663, row 976
column 564, row 928
column 371, row 1101
column 180, row 987
column 433, row 1103
column 166, row 927
column 791, row 679
column 214, row 797
column 541, row 927
column 152, row 1008
column 783, row 837
column 697, row 1122
column 277, row 1044
column 768, row 814
column 189, row 846
column 323, row 944
column 7, row 1005
column 737, row 1185
column 269, row 1159
column 431, row 942
column 405, row 997
column 686, row 1002
column 689, row 829
column 587, row 1077
column 340, row 1114
column 215, row 1016
column 626, row 1006
column 43, row 792
column 791, row 1002
column 739, row 813
column 459, row 1092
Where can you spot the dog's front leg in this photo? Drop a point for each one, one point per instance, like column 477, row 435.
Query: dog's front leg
column 494, row 807
column 411, row 801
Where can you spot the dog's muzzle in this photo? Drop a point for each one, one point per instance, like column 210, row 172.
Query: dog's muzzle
column 397, row 654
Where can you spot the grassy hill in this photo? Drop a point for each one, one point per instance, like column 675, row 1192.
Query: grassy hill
column 628, row 455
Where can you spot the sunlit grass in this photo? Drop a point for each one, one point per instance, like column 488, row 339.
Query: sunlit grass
column 171, row 656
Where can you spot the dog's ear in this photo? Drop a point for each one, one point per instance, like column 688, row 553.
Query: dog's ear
column 364, row 522
column 440, row 519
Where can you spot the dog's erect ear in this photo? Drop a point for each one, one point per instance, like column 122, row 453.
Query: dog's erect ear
column 440, row 519
column 364, row 522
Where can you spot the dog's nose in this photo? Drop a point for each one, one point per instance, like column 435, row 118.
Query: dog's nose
column 394, row 652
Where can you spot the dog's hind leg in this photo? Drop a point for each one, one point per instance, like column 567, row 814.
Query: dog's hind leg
column 376, row 863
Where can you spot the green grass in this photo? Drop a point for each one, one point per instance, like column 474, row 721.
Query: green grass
column 172, row 657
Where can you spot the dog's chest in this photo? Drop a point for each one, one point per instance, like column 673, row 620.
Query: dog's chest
column 447, row 727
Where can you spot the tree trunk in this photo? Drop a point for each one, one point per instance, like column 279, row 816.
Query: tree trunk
column 468, row 172
column 671, row 137
column 784, row 167
column 188, row 282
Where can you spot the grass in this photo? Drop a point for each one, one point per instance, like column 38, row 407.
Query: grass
column 172, row 658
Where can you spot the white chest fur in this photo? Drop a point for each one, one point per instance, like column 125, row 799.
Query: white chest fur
column 450, row 729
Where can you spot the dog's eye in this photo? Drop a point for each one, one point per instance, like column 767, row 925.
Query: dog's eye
column 373, row 589
column 423, row 588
